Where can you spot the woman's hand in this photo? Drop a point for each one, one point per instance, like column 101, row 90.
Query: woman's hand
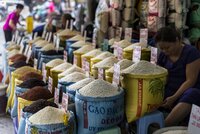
column 169, row 101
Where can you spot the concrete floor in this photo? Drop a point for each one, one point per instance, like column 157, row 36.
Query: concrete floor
column 6, row 125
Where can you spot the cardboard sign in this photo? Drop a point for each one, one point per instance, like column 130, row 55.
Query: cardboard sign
column 28, row 55
column 46, row 37
column 35, row 35
column 87, row 69
column 75, row 60
column 44, row 72
column 57, row 44
column 43, row 34
column 50, row 84
column 118, row 33
column 128, row 34
column 56, row 96
column 65, row 101
column 65, row 56
column 116, row 75
column 137, row 54
column 144, row 36
column 154, row 55
column 101, row 73
column 49, row 38
column 194, row 122
column 35, row 63
column 120, row 53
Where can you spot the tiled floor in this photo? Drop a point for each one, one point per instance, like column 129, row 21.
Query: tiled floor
column 6, row 126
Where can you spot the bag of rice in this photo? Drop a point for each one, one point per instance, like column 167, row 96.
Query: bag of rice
column 106, row 63
column 76, row 38
column 102, row 101
column 48, row 47
column 80, row 44
column 73, row 77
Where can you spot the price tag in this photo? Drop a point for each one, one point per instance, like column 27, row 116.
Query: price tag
column 144, row 36
column 28, row 55
column 44, row 72
column 87, row 68
column 67, row 23
column 115, row 48
column 26, row 50
column 137, row 53
column 194, row 122
column 75, row 60
column 128, row 34
column 65, row 101
column 49, row 38
column 35, row 35
column 116, row 75
column 56, row 96
column 118, row 33
column 43, row 34
column 65, row 56
column 47, row 35
column 154, row 55
column 54, row 40
column 50, row 84
column 21, row 48
column 71, row 25
column 120, row 53
column 57, row 44
column 101, row 73
column 35, row 63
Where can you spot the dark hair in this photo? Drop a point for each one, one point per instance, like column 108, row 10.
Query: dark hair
column 167, row 34
column 20, row 6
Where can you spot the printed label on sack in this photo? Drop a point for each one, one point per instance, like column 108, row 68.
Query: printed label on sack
column 154, row 55
column 44, row 72
column 50, row 84
column 128, row 34
column 65, row 56
column 194, row 122
column 137, row 53
column 144, row 36
column 57, row 43
column 35, row 63
column 140, row 94
column 101, row 73
column 65, row 101
column 120, row 53
column 75, row 60
column 116, row 75
column 118, row 33
column 87, row 68
column 28, row 55
column 46, row 37
column 49, row 38
column 56, row 96
column 153, row 7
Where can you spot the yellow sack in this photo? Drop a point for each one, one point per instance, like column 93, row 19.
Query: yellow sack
column 17, row 82
column 144, row 94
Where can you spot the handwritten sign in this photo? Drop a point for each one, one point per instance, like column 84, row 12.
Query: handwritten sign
column 65, row 56
column 28, row 55
column 84, row 60
column 116, row 75
column 137, row 54
column 56, row 96
column 65, row 101
column 35, row 63
column 154, row 55
column 50, row 84
column 194, row 122
column 144, row 36
column 44, row 72
column 101, row 73
column 128, row 34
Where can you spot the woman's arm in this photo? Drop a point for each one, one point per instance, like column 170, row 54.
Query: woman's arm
column 12, row 25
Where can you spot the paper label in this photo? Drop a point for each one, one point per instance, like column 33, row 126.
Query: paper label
column 194, row 122
column 44, row 72
column 65, row 56
column 46, row 37
column 87, row 68
column 120, row 53
column 154, row 55
column 118, row 33
column 49, row 38
column 28, row 55
column 83, row 63
column 75, row 60
column 144, row 36
column 137, row 54
column 35, row 63
column 65, row 101
column 128, row 34
column 115, row 48
column 116, row 75
column 56, row 96
column 101, row 73
column 50, row 84
column 71, row 25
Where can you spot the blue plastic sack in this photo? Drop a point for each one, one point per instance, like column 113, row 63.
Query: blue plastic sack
column 97, row 114
column 22, row 123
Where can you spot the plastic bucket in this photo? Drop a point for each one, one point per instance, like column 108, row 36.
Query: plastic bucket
column 107, row 112
column 144, row 94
